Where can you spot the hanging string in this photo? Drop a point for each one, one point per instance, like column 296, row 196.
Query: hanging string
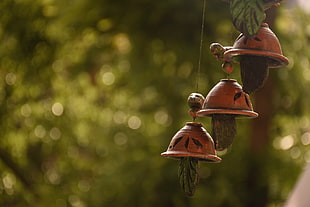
column 201, row 43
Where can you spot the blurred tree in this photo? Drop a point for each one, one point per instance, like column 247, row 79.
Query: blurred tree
column 92, row 91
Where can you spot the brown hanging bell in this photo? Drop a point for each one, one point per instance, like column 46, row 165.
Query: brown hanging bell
column 264, row 44
column 192, row 141
column 227, row 97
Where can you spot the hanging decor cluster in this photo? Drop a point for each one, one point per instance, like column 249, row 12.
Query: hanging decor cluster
column 256, row 49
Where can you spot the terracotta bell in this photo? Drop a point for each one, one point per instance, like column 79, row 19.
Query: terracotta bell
column 227, row 97
column 192, row 141
column 264, row 44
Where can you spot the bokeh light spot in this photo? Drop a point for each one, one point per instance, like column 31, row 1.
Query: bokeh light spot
column 55, row 133
column 49, row 11
column 161, row 117
column 53, row 176
column 75, row 201
column 26, row 110
column 57, row 109
column 185, row 70
column 40, row 131
column 108, row 78
column 305, row 138
column 120, row 138
column 307, row 156
column 10, row 78
column 134, row 122
column 119, row 117
column 295, row 152
column 8, row 181
column 122, row 43
column 287, row 142
column 104, row 25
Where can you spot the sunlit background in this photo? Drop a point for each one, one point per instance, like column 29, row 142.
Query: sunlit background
column 91, row 93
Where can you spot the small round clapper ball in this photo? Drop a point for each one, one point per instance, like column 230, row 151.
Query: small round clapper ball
column 195, row 102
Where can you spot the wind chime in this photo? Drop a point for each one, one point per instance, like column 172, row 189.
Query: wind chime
column 256, row 49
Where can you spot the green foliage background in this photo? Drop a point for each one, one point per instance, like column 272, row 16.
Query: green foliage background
column 91, row 93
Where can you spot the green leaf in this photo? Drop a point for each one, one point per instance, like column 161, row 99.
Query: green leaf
column 188, row 174
column 247, row 15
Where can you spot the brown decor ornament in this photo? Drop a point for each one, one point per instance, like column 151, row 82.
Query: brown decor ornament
column 227, row 97
column 224, row 103
column 192, row 141
column 190, row 145
column 256, row 55
column 264, row 44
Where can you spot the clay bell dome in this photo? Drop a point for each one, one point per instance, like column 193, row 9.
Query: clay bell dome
column 265, row 44
column 227, row 97
column 192, row 141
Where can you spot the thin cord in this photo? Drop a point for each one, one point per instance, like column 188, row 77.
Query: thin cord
column 201, row 43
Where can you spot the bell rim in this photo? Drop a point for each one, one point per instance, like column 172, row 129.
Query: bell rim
column 239, row 112
column 202, row 157
column 228, row 80
column 194, row 124
column 281, row 60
